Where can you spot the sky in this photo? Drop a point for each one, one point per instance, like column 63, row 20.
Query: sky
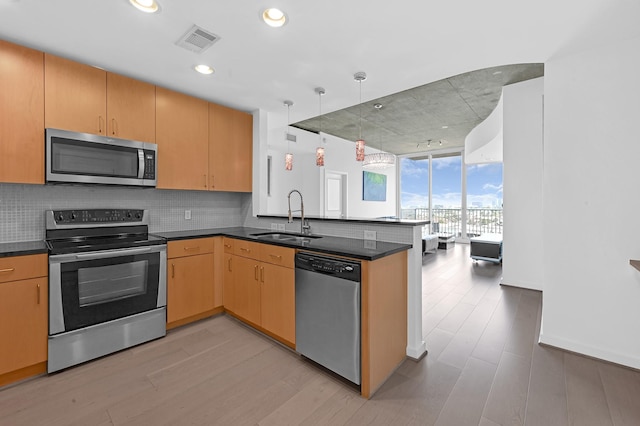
column 484, row 183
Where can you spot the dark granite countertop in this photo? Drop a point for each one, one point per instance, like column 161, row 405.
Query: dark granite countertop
column 377, row 220
column 349, row 247
column 22, row 248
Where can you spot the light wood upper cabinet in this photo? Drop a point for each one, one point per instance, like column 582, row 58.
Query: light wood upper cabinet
column 21, row 114
column 131, row 108
column 75, row 96
column 86, row 99
column 182, row 138
column 23, row 315
column 230, row 149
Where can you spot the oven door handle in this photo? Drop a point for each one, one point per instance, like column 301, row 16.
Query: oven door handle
column 104, row 254
column 111, row 253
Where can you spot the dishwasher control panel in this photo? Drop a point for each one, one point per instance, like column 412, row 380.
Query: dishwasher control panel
column 341, row 268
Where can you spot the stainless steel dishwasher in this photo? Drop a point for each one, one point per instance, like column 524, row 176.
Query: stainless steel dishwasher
column 328, row 313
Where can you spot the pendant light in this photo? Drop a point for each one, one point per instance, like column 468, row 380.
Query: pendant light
column 360, row 77
column 288, row 157
column 379, row 160
column 320, row 149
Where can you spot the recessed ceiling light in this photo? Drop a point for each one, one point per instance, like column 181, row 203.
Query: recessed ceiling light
column 274, row 17
column 204, row 69
column 445, row 127
column 148, row 6
column 497, row 72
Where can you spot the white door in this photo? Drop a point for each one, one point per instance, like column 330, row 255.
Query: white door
column 335, row 192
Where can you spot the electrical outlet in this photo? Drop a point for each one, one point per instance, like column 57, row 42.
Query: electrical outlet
column 281, row 227
column 274, row 226
column 187, row 214
column 370, row 235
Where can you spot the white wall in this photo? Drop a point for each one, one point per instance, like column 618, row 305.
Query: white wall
column 591, row 300
column 307, row 177
column 340, row 155
column 484, row 142
column 522, row 184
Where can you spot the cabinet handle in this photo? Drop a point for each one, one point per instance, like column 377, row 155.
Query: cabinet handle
column 213, row 181
column 8, row 270
column 276, row 256
column 205, row 181
column 245, row 249
column 173, row 270
column 192, row 248
column 227, row 245
column 229, row 266
column 255, row 272
column 114, row 126
column 38, row 294
column 100, row 120
column 262, row 274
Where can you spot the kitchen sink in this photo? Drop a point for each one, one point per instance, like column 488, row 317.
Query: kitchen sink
column 283, row 236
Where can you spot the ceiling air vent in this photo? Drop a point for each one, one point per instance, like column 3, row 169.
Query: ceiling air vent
column 197, row 39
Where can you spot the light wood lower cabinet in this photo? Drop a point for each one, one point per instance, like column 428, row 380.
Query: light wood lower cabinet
column 23, row 316
column 191, row 285
column 259, row 289
column 278, row 301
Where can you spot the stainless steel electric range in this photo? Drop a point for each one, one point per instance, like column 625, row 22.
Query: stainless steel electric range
column 107, row 283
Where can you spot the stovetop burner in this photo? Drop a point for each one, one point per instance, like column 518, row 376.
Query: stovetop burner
column 77, row 231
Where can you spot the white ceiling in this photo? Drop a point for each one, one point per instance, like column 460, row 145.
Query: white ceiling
column 400, row 44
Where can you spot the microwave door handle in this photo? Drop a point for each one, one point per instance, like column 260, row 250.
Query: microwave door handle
column 140, row 164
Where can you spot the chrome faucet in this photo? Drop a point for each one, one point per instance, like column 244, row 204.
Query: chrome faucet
column 304, row 224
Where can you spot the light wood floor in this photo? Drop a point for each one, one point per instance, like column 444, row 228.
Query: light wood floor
column 484, row 367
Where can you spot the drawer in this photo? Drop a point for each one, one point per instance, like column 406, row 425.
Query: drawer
column 23, row 267
column 277, row 255
column 190, row 247
column 246, row 249
column 228, row 244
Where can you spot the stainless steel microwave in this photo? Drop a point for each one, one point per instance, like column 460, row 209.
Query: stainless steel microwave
column 73, row 157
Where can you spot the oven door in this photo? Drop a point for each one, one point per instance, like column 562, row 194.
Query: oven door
column 95, row 287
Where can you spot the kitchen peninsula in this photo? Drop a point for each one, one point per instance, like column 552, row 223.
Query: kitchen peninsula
column 250, row 296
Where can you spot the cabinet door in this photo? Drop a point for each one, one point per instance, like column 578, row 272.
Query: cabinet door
column 247, row 289
column 75, row 96
column 230, row 149
column 21, row 114
column 131, row 108
column 189, row 286
column 23, row 323
column 278, row 301
column 229, row 290
column 182, row 138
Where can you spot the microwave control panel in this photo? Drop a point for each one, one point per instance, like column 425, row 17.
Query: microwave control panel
column 149, row 165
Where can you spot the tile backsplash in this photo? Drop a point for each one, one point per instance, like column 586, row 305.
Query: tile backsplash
column 22, row 207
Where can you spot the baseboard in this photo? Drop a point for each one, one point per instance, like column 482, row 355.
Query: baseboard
column 417, row 353
column 590, row 351
column 522, row 284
